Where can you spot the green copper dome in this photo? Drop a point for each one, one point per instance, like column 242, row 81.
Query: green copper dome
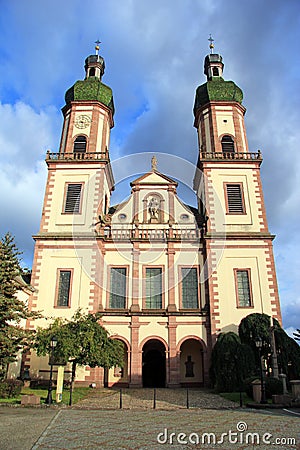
column 91, row 89
column 216, row 88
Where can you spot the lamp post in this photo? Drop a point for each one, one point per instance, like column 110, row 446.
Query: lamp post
column 259, row 344
column 53, row 344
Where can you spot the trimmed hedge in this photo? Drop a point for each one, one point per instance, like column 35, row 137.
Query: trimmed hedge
column 10, row 388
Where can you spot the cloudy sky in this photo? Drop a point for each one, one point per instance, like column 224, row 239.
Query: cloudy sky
column 154, row 52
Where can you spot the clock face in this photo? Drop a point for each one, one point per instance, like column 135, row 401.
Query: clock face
column 82, row 121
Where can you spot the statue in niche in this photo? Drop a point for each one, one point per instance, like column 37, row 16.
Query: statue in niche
column 189, row 367
column 154, row 208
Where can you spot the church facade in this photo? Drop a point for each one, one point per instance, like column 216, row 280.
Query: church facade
column 166, row 277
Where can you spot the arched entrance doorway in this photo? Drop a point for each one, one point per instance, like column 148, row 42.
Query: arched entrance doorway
column 154, row 364
column 191, row 363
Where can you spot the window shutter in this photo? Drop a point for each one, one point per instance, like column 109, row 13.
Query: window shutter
column 227, row 144
column 117, row 298
column 80, row 144
column 234, row 198
column 154, row 288
column 72, row 204
column 189, row 288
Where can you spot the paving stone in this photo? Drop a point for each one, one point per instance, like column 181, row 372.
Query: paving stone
column 97, row 423
column 140, row 429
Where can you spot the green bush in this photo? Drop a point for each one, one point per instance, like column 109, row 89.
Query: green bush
column 10, row 388
column 232, row 362
column 273, row 387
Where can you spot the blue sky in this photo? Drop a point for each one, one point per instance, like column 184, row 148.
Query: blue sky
column 154, row 54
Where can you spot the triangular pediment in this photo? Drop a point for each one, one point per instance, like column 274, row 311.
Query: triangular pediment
column 153, row 177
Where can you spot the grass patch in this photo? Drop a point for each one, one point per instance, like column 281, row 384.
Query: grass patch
column 78, row 394
column 235, row 397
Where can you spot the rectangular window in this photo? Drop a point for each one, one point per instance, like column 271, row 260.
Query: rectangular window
column 153, row 288
column 189, row 288
column 235, row 203
column 243, row 288
column 64, row 287
column 117, row 296
column 73, row 197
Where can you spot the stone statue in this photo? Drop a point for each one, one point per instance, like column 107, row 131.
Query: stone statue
column 154, row 163
column 153, row 208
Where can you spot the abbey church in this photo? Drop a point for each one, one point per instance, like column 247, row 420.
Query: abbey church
column 166, row 277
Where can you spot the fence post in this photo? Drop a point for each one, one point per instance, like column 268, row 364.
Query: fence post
column 187, row 399
column 154, row 398
column 121, row 399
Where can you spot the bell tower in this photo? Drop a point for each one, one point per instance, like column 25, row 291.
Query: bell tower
column 79, row 175
column 240, row 274
column 77, row 195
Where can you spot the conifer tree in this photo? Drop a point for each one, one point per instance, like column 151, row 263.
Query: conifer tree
column 12, row 310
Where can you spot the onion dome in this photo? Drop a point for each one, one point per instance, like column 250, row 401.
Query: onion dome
column 216, row 88
column 92, row 88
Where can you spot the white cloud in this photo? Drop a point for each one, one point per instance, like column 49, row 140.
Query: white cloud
column 24, row 137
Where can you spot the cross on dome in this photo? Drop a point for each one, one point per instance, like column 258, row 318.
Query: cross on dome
column 211, row 45
column 97, row 46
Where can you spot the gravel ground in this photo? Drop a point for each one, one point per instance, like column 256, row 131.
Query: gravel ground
column 144, row 399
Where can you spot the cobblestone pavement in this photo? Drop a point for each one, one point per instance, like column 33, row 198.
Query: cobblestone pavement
column 139, row 430
column 21, row 427
column 97, row 423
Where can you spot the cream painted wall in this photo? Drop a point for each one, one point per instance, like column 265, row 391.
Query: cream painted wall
column 100, row 132
column 243, row 134
column 124, row 208
column 153, row 328
column 207, row 133
column 236, row 174
column 242, row 258
column 54, row 259
column 61, row 222
column 225, row 123
column 185, row 330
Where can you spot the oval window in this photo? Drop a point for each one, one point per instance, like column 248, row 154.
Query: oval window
column 184, row 217
column 122, row 217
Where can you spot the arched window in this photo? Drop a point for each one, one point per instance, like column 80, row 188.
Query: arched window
column 80, row 144
column 227, row 144
column 92, row 72
column 215, row 72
